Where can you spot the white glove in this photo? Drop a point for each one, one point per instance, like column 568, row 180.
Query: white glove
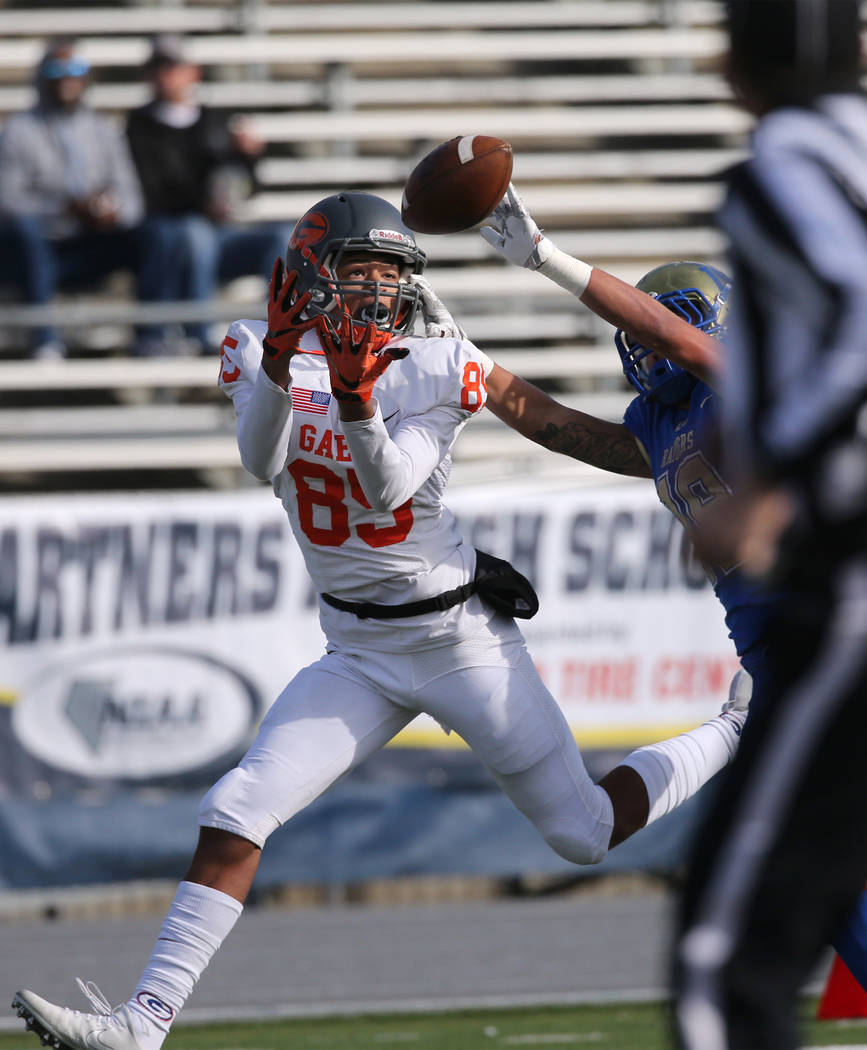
column 438, row 322
column 514, row 234
column 740, row 692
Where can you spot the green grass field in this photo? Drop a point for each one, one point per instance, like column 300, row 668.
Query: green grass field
column 639, row 1027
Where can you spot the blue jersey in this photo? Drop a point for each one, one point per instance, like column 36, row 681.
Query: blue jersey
column 687, row 482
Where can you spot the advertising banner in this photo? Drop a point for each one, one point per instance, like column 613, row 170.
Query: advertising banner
column 143, row 636
column 629, row 637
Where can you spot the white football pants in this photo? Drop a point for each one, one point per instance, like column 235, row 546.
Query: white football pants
column 342, row 708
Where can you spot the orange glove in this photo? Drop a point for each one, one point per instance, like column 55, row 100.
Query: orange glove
column 285, row 328
column 357, row 356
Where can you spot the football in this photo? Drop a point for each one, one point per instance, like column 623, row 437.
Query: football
column 457, row 184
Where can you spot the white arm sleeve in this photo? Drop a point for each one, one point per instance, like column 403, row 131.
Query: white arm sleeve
column 264, row 412
column 392, row 469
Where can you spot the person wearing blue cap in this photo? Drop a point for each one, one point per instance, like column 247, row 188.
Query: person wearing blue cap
column 70, row 199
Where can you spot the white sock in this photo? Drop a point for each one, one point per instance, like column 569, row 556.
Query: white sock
column 673, row 770
column 197, row 923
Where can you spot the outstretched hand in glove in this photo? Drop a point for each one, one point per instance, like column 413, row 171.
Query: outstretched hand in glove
column 285, row 326
column 438, row 322
column 512, row 231
column 357, row 355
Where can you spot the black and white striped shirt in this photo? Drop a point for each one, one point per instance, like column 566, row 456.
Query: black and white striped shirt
column 795, row 389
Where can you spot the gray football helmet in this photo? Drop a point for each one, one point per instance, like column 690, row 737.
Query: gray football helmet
column 347, row 223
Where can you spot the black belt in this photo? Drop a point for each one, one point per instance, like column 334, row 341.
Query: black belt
column 496, row 581
column 438, row 603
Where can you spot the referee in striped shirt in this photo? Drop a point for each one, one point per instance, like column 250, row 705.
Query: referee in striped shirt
column 782, row 856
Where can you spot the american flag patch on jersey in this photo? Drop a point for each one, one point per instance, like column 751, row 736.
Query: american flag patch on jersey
column 315, row 401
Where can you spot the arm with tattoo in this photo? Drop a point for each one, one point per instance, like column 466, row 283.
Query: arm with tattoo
column 613, row 449
column 599, row 442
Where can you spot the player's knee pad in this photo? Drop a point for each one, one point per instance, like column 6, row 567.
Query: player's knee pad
column 233, row 804
column 576, row 841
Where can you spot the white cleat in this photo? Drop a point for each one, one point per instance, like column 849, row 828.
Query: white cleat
column 65, row 1029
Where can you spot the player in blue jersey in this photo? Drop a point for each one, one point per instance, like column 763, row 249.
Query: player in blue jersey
column 667, row 337
column 672, row 417
column 675, row 312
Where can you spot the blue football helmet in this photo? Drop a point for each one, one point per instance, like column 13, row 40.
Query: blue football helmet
column 695, row 292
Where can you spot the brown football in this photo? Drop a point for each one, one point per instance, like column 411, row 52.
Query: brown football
column 457, row 184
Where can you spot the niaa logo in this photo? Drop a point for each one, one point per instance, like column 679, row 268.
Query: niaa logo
column 136, row 712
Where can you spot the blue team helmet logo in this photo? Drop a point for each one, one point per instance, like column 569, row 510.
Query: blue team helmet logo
column 160, row 1010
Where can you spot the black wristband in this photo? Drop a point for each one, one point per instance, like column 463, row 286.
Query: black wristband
column 270, row 351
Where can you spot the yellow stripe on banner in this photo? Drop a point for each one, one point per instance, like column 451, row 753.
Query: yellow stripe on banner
column 590, row 739
column 7, row 696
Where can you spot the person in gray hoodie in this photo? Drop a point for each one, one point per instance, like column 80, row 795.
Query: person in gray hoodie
column 70, row 198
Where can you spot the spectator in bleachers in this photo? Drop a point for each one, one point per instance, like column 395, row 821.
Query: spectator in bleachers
column 70, row 201
column 196, row 166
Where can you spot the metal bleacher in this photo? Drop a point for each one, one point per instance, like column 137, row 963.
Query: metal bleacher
column 621, row 125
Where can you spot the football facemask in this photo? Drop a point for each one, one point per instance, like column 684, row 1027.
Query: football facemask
column 696, row 293
column 349, row 224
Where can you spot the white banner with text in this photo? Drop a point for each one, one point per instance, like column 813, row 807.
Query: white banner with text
column 142, row 636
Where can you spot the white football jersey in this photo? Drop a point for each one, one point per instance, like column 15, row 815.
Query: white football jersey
column 365, row 498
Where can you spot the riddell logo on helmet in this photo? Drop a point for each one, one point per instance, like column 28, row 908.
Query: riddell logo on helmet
column 310, row 230
column 391, row 235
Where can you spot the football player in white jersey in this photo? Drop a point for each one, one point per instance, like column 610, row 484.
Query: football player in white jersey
column 416, row 620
